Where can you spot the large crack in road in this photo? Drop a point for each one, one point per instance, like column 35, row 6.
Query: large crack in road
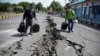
column 47, row 45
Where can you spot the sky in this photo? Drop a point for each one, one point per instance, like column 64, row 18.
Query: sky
column 44, row 2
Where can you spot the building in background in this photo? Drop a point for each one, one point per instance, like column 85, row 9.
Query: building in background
column 87, row 10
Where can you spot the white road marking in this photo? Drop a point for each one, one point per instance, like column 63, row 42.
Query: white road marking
column 9, row 31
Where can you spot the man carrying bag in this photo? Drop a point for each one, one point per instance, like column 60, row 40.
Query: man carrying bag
column 29, row 15
column 70, row 16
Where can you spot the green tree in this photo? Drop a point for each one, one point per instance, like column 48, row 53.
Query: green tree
column 44, row 9
column 1, row 4
column 24, row 4
column 14, row 5
column 39, row 6
column 56, row 6
column 6, row 7
column 19, row 9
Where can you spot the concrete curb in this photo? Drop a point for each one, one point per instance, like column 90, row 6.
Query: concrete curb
column 89, row 23
column 10, row 16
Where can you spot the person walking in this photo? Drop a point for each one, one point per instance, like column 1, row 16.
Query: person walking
column 70, row 16
column 29, row 15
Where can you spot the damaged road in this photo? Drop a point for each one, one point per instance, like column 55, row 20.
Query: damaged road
column 51, row 41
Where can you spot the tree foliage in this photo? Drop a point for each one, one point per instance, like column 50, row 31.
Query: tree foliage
column 24, row 4
column 56, row 6
column 6, row 7
column 39, row 6
column 44, row 9
column 20, row 7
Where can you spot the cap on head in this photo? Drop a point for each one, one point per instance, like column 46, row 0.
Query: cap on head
column 67, row 6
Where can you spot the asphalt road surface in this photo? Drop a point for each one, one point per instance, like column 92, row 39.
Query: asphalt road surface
column 82, row 34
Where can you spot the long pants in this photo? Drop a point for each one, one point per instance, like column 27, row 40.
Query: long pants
column 29, row 22
column 70, row 24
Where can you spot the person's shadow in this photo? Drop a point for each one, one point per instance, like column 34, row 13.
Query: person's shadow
column 62, row 30
column 19, row 35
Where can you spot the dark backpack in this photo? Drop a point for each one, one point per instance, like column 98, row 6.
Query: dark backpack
column 21, row 27
column 36, row 28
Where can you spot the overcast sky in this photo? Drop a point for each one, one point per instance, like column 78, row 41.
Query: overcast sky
column 44, row 2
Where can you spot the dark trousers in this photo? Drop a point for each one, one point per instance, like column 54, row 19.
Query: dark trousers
column 29, row 22
column 70, row 24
